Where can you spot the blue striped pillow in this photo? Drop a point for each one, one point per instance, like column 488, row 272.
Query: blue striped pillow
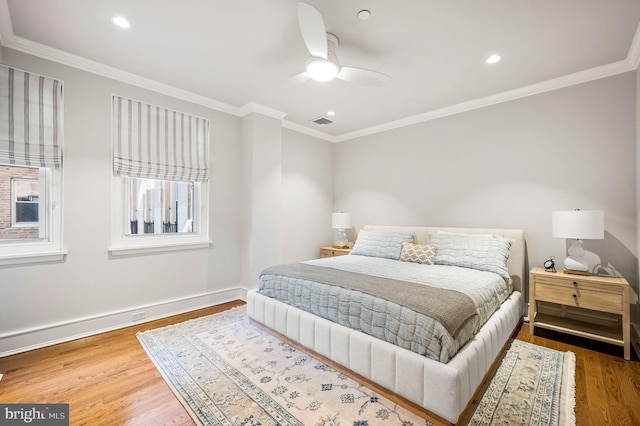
column 386, row 244
column 475, row 252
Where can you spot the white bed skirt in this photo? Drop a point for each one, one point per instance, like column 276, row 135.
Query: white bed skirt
column 442, row 389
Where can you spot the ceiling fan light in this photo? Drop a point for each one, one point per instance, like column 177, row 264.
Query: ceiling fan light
column 321, row 70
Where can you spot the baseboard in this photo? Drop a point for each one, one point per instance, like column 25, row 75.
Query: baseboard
column 24, row 340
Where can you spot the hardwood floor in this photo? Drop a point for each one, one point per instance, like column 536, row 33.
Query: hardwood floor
column 108, row 378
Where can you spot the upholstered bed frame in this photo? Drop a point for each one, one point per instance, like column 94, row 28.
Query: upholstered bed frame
column 442, row 389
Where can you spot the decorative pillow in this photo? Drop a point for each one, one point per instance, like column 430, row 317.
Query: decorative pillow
column 387, row 244
column 475, row 252
column 417, row 253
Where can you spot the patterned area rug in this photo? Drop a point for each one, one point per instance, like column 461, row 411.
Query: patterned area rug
column 226, row 371
column 533, row 386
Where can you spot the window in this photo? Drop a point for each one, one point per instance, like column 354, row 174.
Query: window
column 160, row 207
column 20, row 189
column 31, row 136
column 160, row 178
column 25, row 200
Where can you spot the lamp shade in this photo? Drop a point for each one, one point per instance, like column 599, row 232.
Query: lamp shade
column 341, row 220
column 578, row 224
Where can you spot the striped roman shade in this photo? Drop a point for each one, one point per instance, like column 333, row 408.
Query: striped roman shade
column 31, row 108
column 158, row 143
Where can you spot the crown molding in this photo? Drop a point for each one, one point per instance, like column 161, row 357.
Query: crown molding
column 634, row 51
column 252, row 107
column 55, row 55
column 523, row 92
column 8, row 39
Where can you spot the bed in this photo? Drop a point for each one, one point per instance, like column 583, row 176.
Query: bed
column 440, row 374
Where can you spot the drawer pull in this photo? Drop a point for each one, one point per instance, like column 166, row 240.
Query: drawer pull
column 575, row 295
column 575, row 283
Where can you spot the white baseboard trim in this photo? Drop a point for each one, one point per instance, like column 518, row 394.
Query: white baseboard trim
column 18, row 341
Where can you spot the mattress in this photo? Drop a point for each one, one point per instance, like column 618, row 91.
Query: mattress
column 418, row 332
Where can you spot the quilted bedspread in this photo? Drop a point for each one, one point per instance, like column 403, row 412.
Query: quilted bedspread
column 388, row 320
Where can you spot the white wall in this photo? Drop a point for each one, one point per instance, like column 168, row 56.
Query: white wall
column 307, row 183
column 507, row 165
column 261, row 195
column 90, row 291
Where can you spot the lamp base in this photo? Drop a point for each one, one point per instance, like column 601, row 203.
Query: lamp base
column 576, row 260
column 340, row 238
column 340, row 247
column 575, row 263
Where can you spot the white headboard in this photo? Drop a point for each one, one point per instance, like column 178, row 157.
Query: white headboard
column 515, row 263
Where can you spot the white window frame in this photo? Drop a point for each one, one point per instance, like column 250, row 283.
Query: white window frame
column 127, row 245
column 48, row 248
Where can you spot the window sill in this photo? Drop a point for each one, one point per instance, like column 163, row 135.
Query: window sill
column 35, row 257
column 118, row 251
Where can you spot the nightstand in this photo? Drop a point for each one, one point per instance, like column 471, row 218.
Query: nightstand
column 331, row 252
column 595, row 293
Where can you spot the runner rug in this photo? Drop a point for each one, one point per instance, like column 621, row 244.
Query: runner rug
column 226, row 371
column 533, row 385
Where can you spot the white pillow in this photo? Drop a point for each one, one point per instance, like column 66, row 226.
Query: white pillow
column 386, row 244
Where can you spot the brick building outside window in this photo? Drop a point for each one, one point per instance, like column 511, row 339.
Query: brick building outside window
column 19, row 203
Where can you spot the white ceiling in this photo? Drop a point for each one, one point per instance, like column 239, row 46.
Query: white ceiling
column 231, row 55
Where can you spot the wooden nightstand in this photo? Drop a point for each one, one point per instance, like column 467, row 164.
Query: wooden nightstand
column 331, row 252
column 602, row 294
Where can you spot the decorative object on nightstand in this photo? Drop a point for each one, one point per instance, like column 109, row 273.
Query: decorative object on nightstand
column 550, row 265
column 333, row 252
column 576, row 296
column 577, row 225
column 340, row 222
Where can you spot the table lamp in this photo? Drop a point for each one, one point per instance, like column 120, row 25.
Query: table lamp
column 578, row 225
column 340, row 222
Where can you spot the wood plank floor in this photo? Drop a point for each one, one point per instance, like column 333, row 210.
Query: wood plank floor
column 109, row 380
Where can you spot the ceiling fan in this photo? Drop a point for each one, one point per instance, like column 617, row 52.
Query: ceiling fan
column 323, row 64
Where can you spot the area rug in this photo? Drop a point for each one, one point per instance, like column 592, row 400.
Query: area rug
column 534, row 385
column 226, row 371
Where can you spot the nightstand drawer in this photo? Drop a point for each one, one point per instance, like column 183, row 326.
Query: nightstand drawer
column 580, row 295
column 332, row 251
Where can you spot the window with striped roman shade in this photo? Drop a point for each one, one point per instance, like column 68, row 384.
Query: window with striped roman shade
column 158, row 143
column 31, row 132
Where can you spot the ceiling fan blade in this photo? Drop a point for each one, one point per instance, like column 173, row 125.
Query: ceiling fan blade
column 313, row 30
column 294, row 81
column 363, row 76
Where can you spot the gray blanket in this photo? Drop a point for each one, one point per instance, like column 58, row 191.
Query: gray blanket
column 451, row 308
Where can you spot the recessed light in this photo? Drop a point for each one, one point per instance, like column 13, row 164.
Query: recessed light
column 121, row 22
column 364, row 14
column 494, row 59
column 331, row 113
